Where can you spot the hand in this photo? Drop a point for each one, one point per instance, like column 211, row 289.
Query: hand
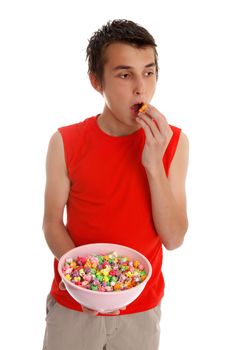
column 62, row 286
column 95, row 313
column 158, row 135
column 89, row 311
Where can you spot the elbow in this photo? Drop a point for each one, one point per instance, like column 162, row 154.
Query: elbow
column 45, row 226
column 50, row 223
column 45, row 230
column 172, row 245
column 176, row 240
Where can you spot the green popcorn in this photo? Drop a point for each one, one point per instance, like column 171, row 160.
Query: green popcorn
column 142, row 273
column 100, row 277
column 123, row 259
column 100, row 259
column 93, row 287
column 123, row 268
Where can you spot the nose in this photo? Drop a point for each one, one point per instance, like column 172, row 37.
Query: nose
column 138, row 86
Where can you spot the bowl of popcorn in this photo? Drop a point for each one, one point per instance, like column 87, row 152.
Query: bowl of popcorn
column 104, row 276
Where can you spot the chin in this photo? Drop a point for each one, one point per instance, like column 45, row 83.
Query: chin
column 130, row 121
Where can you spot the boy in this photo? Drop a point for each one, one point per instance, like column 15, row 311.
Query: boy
column 121, row 175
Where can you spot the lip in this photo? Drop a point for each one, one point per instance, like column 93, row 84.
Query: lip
column 137, row 103
column 134, row 106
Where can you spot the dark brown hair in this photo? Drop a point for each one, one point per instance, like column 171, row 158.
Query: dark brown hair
column 120, row 30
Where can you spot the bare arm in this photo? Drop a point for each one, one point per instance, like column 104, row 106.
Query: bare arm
column 167, row 194
column 56, row 195
column 169, row 199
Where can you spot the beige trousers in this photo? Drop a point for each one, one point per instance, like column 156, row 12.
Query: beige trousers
column 67, row 329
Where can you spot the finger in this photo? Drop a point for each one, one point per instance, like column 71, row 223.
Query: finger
column 160, row 120
column 62, row 286
column 153, row 127
column 154, row 112
column 163, row 125
column 123, row 308
column 89, row 311
column 158, row 112
column 113, row 312
column 146, row 128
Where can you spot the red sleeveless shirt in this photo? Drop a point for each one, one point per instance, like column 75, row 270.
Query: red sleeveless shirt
column 109, row 200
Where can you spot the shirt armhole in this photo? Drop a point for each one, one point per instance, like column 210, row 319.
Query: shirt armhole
column 171, row 148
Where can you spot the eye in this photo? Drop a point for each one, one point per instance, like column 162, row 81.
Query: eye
column 124, row 76
column 149, row 73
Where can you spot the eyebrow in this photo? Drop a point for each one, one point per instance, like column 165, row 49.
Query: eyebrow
column 129, row 67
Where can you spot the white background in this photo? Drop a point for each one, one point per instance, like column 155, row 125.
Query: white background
column 44, row 85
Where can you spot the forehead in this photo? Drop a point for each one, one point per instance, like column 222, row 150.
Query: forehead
column 117, row 54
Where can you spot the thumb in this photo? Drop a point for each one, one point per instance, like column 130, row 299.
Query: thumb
column 62, row 286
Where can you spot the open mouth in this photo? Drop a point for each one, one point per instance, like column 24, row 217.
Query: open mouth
column 139, row 107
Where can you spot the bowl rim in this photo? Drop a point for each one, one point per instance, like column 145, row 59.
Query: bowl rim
column 78, row 288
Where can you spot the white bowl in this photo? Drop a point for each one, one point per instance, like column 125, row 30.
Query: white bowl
column 104, row 302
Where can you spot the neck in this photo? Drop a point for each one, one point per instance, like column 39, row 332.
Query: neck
column 113, row 126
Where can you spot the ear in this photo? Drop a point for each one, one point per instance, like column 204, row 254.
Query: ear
column 95, row 82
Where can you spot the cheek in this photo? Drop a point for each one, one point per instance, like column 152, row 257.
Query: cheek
column 151, row 89
column 115, row 94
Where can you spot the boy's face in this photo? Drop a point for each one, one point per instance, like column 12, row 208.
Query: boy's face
column 129, row 78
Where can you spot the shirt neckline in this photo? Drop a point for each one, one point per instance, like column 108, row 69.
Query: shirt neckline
column 115, row 138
